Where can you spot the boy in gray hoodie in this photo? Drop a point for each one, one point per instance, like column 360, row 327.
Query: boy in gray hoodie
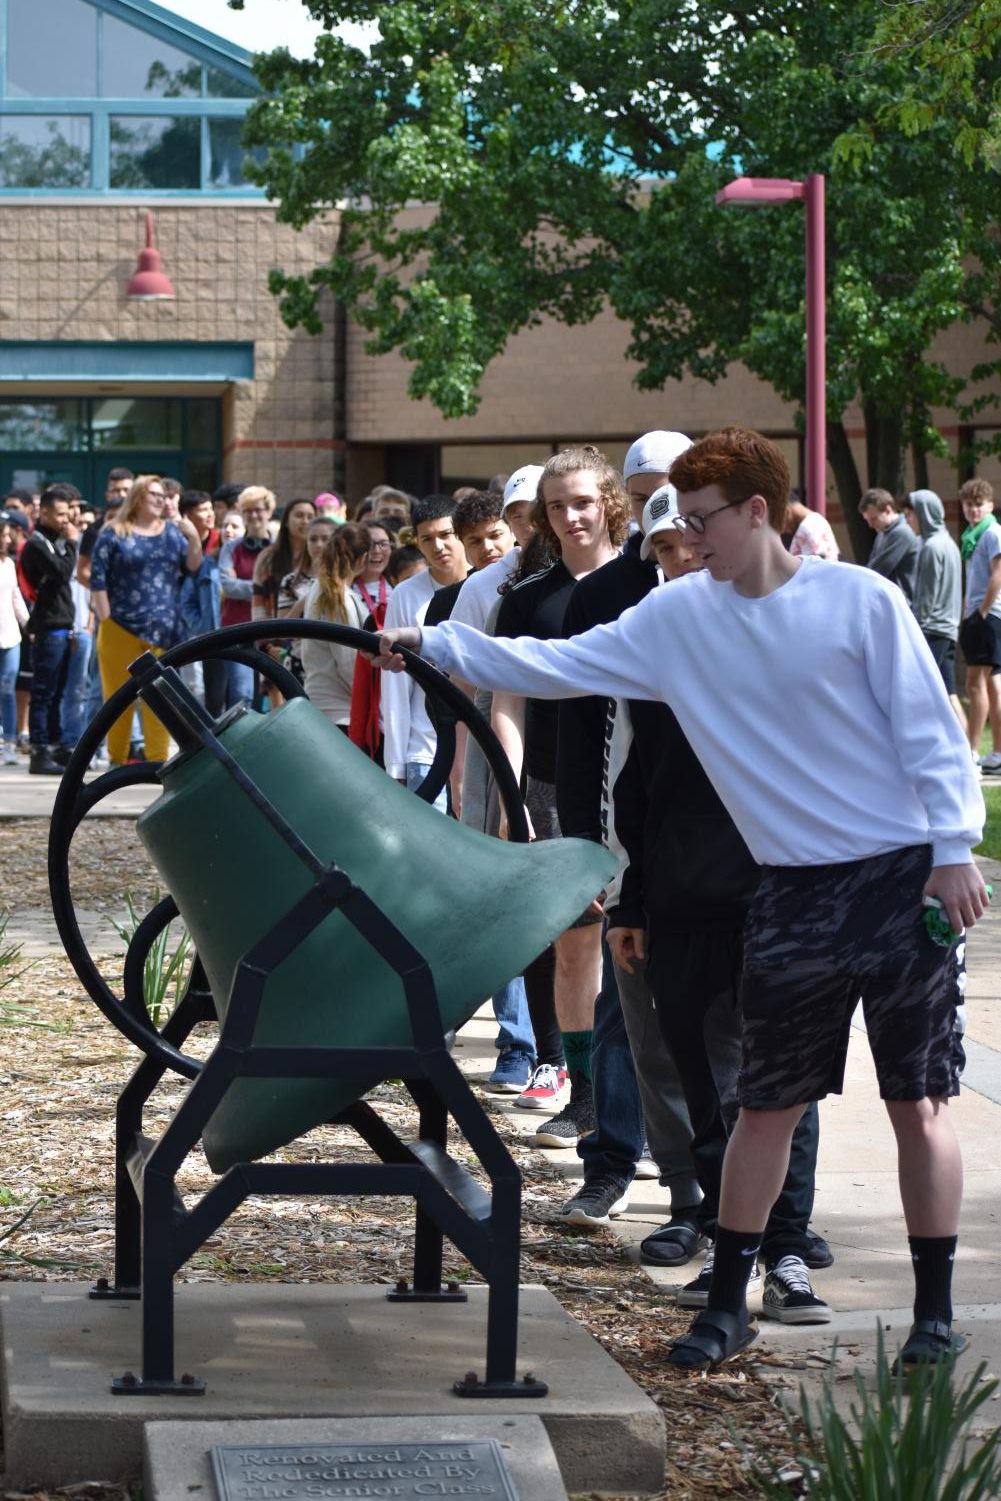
column 938, row 590
column 895, row 549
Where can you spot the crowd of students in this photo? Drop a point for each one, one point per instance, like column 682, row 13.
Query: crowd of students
column 745, row 695
column 85, row 590
column 676, row 664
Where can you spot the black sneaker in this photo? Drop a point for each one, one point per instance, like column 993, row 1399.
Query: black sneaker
column 816, row 1253
column 789, row 1297
column 575, row 1120
column 42, row 764
column 695, row 1294
column 597, row 1201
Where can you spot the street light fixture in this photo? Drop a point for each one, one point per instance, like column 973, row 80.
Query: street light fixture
column 760, row 190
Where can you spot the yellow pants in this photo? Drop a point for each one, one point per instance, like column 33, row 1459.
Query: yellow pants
column 116, row 648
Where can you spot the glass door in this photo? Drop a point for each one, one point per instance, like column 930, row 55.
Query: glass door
column 33, row 471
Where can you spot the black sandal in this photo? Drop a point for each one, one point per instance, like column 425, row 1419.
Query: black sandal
column 672, row 1245
column 929, row 1343
column 715, row 1336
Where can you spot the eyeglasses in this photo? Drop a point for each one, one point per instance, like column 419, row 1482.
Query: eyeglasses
column 697, row 524
column 378, row 546
column 255, row 510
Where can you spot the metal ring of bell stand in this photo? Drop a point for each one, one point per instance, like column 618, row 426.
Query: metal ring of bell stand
column 75, row 799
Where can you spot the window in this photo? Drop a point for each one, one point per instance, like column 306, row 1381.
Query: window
column 155, row 151
column 140, row 66
column 44, row 151
column 121, row 422
column 220, row 85
column 60, row 61
column 203, row 422
column 118, row 130
column 227, row 155
column 35, row 426
column 81, row 438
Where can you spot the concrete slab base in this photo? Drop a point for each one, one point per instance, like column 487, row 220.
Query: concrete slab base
column 177, row 1464
column 284, row 1351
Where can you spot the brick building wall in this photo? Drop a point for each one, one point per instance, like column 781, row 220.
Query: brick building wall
column 65, row 269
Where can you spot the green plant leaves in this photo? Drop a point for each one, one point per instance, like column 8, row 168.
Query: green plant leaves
column 908, row 1438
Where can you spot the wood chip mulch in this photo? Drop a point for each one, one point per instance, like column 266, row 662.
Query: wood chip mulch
column 61, row 1067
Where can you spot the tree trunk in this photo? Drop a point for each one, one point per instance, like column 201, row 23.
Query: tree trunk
column 919, row 458
column 846, row 476
column 884, row 449
column 871, row 418
column 889, row 446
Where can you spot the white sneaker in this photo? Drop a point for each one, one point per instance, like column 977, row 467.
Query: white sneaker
column 991, row 762
column 10, row 756
column 646, row 1167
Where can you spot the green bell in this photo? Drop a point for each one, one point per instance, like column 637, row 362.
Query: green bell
column 478, row 909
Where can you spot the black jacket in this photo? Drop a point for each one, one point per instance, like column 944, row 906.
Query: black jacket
column 598, row 599
column 48, row 562
column 688, row 866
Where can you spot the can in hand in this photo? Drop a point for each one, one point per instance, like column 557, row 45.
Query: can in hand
column 937, row 925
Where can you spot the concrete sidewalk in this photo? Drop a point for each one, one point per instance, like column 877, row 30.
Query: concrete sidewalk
column 25, row 796
column 857, row 1204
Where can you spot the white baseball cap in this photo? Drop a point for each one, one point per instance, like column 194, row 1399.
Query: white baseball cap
column 654, row 453
column 522, row 485
column 659, row 513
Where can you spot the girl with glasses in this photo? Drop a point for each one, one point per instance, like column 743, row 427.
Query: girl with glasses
column 136, row 573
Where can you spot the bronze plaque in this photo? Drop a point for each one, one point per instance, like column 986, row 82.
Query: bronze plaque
column 362, row 1472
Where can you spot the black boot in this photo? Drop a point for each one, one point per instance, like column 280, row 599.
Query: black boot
column 60, row 754
column 42, row 764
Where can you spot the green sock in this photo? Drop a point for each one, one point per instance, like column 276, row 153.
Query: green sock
column 577, row 1052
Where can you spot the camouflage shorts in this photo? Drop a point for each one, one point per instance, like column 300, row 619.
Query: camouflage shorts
column 819, row 938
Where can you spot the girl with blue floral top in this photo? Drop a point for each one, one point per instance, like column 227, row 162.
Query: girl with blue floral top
column 138, row 564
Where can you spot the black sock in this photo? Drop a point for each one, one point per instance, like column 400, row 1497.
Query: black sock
column 932, row 1257
column 687, row 1212
column 734, row 1260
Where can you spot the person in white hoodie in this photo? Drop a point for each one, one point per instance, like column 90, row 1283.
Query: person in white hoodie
column 791, row 739
column 410, row 738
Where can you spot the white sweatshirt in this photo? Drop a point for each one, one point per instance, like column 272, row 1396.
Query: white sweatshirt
column 409, row 733
column 817, row 711
column 478, row 594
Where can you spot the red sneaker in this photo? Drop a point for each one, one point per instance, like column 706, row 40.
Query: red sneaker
column 543, row 1088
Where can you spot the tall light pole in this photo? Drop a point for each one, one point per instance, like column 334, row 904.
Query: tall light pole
column 757, row 190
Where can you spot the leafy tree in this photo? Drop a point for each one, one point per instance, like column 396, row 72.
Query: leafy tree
column 568, row 153
column 953, row 48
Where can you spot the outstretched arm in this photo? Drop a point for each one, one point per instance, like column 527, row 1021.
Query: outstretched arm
column 620, row 660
